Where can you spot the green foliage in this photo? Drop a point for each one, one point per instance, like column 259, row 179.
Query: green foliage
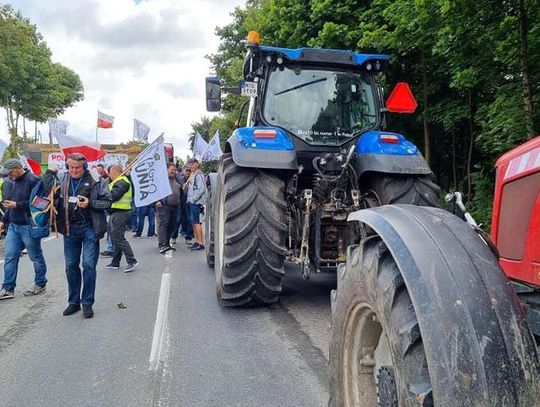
column 463, row 59
column 31, row 85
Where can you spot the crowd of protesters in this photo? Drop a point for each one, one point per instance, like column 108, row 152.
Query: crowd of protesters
column 85, row 210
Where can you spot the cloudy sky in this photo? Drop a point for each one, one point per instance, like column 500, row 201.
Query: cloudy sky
column 139, row 59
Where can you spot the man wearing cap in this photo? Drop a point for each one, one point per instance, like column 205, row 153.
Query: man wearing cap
column 195, row 201
column 16, row 195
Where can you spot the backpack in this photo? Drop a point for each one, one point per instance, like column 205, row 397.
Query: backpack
column 41, row 210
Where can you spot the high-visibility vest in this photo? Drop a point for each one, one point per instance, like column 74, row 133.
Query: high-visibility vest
column 1, row 185
column 123, row 203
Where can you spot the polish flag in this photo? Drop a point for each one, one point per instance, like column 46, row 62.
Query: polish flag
column 69, row 144
column 33, row 166
column 104, row 121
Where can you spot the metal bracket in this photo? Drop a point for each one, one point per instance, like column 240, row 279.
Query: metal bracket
column 355, row 195
column 304, row 247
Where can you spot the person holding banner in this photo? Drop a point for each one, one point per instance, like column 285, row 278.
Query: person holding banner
column 167, row 209
column 121, row 195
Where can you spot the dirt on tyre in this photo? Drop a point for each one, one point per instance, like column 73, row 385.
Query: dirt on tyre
column 249, row 235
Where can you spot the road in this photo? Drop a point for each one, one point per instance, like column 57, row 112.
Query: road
column 172, row 344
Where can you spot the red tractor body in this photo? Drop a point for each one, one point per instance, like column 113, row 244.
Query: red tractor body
column 515, row 227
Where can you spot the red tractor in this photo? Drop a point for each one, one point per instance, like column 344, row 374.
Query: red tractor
column 515, row 227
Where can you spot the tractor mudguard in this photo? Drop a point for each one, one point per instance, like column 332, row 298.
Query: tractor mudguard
column 390, row 153
column 262, row 147
column 477, row 340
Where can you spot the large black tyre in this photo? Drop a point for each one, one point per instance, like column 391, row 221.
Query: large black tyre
column 249, row 235
column 423, row 315
column 372, row 282
column 209, row 221
column 417, row 190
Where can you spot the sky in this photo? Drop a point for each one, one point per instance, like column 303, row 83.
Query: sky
column 141, row 59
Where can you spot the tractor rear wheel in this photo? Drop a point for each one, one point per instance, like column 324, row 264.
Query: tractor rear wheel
column 209, row 221
column 249, row 235
column 417, row 190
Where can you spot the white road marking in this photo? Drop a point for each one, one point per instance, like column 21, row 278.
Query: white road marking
column 168, row 254
column 160, row 327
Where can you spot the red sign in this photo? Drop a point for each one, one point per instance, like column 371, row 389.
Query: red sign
column 401, row 100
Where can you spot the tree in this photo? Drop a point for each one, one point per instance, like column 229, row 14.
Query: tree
column 31, row 85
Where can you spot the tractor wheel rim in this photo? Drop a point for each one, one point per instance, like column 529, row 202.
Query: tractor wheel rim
column 363, row 334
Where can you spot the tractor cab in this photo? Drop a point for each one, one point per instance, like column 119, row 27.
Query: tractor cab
column 323, row 97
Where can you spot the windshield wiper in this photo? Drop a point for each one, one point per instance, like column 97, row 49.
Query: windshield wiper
column 300, row 86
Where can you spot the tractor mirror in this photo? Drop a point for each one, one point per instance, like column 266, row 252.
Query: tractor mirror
column 213, row 94
column 401, row 100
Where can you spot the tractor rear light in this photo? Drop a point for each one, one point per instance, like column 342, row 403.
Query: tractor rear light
column 268, row 134
column 389, row 139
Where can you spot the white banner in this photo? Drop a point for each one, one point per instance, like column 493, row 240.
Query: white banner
column 213, row 152
column 149, row 175
column 3, row 147
column 140, row 131
column 199, row 147
column 58, row 160
column 57, row 127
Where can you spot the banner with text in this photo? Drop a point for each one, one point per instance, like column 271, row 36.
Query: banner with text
column 58, row 160
column 149, row 175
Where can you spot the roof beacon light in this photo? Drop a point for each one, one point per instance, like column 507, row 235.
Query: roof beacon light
column 253, row 38
column 265, row 133
column 389, row 139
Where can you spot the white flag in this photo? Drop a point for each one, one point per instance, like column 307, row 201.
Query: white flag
column 199, row 147
column 3, row 147
column 149, row 175
column 140, row 131
column 25, row 163
column 213, row 152
column 57, row 127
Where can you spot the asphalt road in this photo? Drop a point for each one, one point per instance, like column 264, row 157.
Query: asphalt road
column 172, row 344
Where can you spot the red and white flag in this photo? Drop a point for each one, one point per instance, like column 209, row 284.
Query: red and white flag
column 28, row 163
column 104, row 121
column 91, row 150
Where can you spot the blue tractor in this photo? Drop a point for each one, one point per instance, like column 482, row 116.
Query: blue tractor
column 315, row 178
column 315, row 149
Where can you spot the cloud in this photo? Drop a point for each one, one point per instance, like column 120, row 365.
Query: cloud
column 186, row 90
column 143, row 59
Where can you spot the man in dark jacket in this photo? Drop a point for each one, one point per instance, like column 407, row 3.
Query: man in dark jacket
column 167, row 210
column 81, row 219
column 16, row 195
column 121, row 195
